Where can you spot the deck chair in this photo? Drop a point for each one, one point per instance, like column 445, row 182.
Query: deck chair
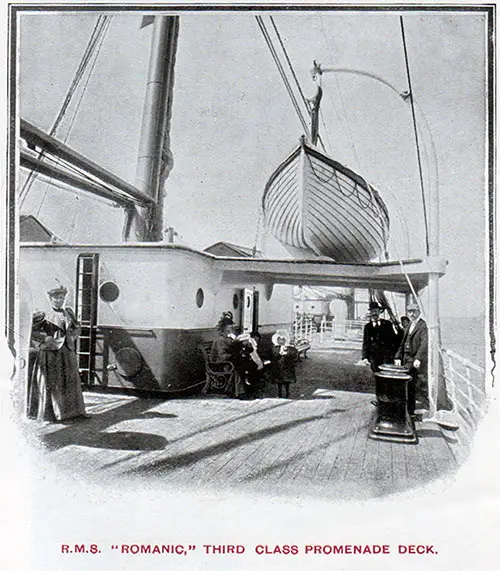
column 219, row 375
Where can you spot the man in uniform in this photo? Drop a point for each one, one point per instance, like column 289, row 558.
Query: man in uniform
column 412, row 353
column 379, row 339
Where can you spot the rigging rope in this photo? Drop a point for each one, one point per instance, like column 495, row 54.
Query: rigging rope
column 99, row 28
column 326, row 134
column 82, row 174
column 257, row 232
column 58, row 161
column 97, row 36
column 405, row 96
column 288, row 87
column 306, row 102
column 345, row 119
column 416, row 137
column 85, row 86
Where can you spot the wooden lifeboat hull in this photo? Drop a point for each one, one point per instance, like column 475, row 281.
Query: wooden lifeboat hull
column 315, row 205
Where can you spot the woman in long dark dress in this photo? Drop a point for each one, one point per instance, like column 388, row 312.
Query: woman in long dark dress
column 227, row 348
column 55, row 392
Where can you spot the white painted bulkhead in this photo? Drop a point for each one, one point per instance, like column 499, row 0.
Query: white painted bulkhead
column 158, row 285
column 175, row 293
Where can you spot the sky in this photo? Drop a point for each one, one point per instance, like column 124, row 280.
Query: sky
column 233, row 122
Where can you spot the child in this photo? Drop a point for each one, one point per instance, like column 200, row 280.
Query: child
column 283, row 363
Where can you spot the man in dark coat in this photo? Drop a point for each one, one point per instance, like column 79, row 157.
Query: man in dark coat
column 379, row 339
column 412, row 354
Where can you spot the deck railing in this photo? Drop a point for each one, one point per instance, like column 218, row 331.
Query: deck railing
column 348, row 330
column 466, row 386
column 303, row 327
column 466, row 383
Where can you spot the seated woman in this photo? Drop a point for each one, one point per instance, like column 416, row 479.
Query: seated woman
column 227, row 348
column 284, row 356
column 223, row 347
column 55, row 391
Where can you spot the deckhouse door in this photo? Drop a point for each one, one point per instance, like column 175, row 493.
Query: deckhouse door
column 87, row 279
column 247, row 312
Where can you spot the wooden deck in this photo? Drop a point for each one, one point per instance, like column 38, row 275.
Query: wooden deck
column 315, row 443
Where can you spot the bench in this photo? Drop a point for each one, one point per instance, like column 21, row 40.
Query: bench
column 219, row 375
column 302, row 346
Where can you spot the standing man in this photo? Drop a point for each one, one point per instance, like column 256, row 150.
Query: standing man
column 379, row 339
column 412, row 353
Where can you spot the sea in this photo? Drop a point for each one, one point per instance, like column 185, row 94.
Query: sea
column 467, row 336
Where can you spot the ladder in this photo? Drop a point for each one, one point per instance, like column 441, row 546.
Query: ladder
column 87, row 279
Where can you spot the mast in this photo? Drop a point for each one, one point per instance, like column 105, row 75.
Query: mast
column 155, row 158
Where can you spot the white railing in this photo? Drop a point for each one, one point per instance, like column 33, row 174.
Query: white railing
column 466, row 384
column 303, row 327
column 466, row 387
column 350, row 330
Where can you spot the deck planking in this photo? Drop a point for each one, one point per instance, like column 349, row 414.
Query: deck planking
column 229, row 443
column 314, row 443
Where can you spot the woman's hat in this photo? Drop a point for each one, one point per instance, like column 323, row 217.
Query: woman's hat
column 374, row 305
column 59, row 290
column 281, row 334
column 412, row 305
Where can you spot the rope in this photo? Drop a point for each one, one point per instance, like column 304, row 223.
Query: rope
column 402, row 220
column 82, row 174
column 84, row 89
column 72, row 225
column 380, row 296
column 324, row 180
column 257, row 233
column 369, row 202
column 416, row 137
column 295, row 104
column 76, row 79
column 104, row 29
column 404, row 96
column 326, row 133
column 97, row 35
column 306, row 102
column 345, row 119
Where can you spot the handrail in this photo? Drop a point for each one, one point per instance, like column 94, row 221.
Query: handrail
column 464, row 361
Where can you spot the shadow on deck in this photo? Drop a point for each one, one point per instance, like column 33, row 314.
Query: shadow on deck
column 314, row 443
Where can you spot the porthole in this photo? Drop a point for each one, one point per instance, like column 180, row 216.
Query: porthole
column 200, row 297
column 109, row 291
column 236, row 301
column 128, row 362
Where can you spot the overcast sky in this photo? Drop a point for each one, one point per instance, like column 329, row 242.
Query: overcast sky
column 233, row 122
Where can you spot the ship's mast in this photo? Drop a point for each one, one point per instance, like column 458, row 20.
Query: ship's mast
column 154, row 163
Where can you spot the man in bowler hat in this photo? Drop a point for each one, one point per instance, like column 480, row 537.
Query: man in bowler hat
column 379, row 339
